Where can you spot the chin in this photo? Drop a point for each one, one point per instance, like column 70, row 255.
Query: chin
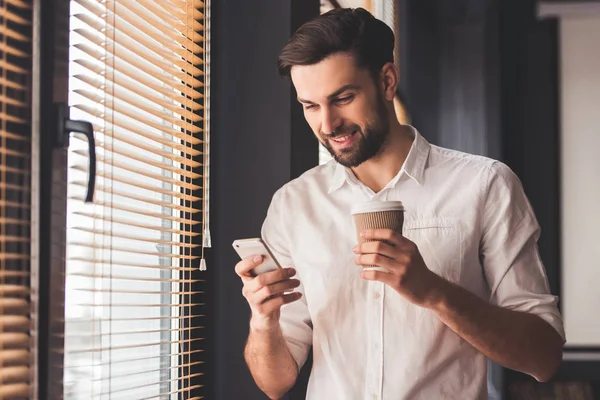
column 348, row 162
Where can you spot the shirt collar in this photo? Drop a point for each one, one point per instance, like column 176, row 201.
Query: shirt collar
column 414, row 165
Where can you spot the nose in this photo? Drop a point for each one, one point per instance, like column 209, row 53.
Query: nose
column 330, row 120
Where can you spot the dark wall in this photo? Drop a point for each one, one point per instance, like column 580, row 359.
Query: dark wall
column 449, row 72
column 254, row 123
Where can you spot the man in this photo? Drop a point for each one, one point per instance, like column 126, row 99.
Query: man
column 465, row 280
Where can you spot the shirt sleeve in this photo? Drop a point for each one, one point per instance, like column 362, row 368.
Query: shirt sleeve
column 509, row 250
column 295, row 319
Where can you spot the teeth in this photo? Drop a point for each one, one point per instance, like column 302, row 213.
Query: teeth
column 341, row 139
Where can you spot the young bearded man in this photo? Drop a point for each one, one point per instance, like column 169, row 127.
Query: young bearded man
column 465, row 280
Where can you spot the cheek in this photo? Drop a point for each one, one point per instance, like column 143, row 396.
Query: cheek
column 313, row 122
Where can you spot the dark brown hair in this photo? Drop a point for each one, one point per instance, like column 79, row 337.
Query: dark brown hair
column 352, row 30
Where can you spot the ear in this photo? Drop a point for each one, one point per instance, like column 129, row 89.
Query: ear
column 389, row 80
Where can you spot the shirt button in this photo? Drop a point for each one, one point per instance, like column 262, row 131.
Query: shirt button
column 376, row 295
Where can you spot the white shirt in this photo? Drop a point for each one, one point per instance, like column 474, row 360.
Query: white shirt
column 472, row 224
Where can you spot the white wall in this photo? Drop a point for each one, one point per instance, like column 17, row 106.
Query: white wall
column 580, row 178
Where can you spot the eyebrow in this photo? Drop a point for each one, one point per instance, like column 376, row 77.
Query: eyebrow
column 334, row 94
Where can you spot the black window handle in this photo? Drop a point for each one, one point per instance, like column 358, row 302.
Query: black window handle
column 65, row 127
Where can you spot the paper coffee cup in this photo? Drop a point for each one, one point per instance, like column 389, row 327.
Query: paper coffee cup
column 377, row 215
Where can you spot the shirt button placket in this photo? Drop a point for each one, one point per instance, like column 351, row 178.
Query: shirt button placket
column 374, row 364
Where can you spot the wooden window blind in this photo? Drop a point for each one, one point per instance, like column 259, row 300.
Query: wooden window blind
column 138, row 71
column 15, row 196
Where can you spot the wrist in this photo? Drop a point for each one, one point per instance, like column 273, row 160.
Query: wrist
column 438, row 295
column 263, row 325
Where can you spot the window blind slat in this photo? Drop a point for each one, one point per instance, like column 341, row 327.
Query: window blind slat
column 120, row 163
column 14, row 340
column 12, row 68
column 188, row 389
column 141, row 307
column 111, row 191
column 162, row 19
column 133, row 346
column 147, row 371
column 10, row 49
column 21, row 4
column 136, row 109
column 13, row 256
column 116, row 178
column 113, row 25
column 128, row 222
column 124, row 14
column 129, row 278
column 11, row 16
column 116, row 147
column 137, row 292
column 119, row 125
column 12, row 357
column 14, row 274
column 11, row 100
column 9, row 135
column 134, row 66
column 11, row 391
column 117, row 360
column 134, row 319
column 134, row 210
column 114, row 234
column 128, row 36
column 132, row 251
column 132, row 111
column 118, row 263
column 14, row 305
column 142, row 84
column 137, row 96
column 12, row 170
column 12, row 374
column 124, row 48
column 146, row 385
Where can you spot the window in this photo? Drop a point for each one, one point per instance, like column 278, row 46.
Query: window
column 137, row 72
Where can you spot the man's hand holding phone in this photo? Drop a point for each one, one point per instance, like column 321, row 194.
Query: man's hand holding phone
column 266, row 293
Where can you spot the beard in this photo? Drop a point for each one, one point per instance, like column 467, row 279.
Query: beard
column 369, row 143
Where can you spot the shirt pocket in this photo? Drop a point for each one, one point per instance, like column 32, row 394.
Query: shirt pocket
column 439, row 242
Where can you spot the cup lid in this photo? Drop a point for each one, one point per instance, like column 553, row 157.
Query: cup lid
column 377, row 206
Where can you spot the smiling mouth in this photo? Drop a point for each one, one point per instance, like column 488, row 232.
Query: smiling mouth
column 343, row 139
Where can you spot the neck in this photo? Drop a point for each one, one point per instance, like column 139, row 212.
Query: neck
column 377, row 172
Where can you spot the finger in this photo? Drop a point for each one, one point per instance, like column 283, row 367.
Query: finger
column 273, row 304
column 376, row 247
column 375, row 259
column 380, row 276
column 275, row 289
column 244, row 267
column 388, row 235
column 268, row 278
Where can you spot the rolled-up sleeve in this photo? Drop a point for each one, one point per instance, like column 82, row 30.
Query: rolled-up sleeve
column 295, row 319
column 509, row 250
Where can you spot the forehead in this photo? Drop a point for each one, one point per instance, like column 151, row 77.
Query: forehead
column 316, row 82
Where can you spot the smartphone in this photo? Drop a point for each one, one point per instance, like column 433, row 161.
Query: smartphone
column 255, row 246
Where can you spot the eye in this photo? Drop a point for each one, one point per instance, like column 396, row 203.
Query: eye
column 345, row 99
column 309, row 107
